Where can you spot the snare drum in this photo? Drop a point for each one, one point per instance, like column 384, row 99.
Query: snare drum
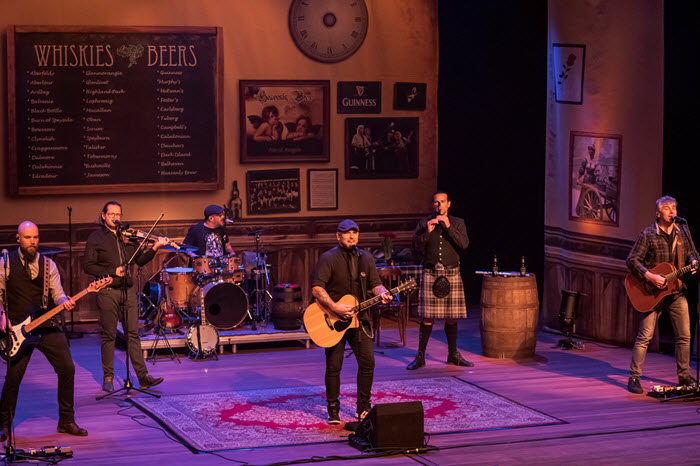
column 179, row 285
column 224, row 303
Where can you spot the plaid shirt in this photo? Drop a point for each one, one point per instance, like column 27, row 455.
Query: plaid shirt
column 651, row 249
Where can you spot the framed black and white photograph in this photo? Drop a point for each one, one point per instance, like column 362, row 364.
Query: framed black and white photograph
column 381, row 148
column 284, row 121
column 322, row 188
column 569, row 65
column 409, row 96
column 272, row 191
column 594, row 177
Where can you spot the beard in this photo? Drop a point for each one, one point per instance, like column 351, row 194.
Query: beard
column 29, row 253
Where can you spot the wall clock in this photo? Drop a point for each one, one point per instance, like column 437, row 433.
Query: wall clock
column 328, row 31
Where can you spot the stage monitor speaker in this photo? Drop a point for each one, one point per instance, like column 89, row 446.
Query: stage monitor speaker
column 393, row 425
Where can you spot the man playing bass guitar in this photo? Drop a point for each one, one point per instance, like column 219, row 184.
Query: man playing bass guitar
column 346, row 270
column 665, row 241
column 23, row 274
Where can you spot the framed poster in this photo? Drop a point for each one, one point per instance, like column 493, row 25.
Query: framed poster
column 594, row 177
column 569, row 61
column 272, row 191
column 381, row 148
column 322, row 189
column 284, row 121
column 409, row 96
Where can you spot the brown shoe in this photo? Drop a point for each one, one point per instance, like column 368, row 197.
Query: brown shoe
column 71, row 428
column 149, row 381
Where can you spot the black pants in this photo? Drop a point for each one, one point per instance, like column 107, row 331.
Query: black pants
column 109, row 301
column 54, row 345
column 362, row 347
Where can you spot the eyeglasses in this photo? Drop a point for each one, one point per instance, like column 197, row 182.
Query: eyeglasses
column 112, row 214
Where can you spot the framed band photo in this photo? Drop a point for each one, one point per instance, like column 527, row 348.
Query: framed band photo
column 272, row 191
column 284, row 121
column 569, row 62
column 594, row 177
column 381, row 148
column 322, row 188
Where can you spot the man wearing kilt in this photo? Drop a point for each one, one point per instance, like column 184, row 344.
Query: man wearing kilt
column 442, row 238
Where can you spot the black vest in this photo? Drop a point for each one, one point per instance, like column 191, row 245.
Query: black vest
column 24, row 295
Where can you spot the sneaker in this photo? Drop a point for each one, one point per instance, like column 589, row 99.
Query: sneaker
column 334, row 415
column 108, row 384
column 633, row 385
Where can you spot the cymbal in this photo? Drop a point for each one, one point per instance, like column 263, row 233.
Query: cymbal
column 48, row 250
column 183, row 248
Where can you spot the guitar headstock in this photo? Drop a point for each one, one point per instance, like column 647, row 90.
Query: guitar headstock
column 97, row 285
column 408, row 285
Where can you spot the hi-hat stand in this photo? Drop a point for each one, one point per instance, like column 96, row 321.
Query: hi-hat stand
column 262, row 284
column 72, row 335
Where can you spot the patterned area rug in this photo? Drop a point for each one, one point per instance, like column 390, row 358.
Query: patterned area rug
column 295, row 416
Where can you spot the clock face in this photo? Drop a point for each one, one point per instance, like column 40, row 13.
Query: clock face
column 328, row 30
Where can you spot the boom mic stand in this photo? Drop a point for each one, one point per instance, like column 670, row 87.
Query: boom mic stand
column 72, row 335
column 128, row 386
column 10, row 453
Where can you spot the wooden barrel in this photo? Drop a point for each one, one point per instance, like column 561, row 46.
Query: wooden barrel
column 509, row 308
column 286, row 312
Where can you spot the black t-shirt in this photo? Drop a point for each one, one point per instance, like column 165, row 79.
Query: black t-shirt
column 210, row 242
column 332, row 273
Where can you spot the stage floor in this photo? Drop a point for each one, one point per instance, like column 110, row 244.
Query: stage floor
column 585, row 388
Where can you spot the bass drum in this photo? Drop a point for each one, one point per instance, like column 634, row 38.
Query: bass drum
column 225, row 304
column 202, row 339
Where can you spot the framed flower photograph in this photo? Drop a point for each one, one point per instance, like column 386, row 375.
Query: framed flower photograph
column 569, row 64
column 284, row 121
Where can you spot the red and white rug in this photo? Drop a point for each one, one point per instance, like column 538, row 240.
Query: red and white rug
column 295, row 416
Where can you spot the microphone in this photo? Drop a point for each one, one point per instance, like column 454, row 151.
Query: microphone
column 5, row 257
column 228, row 221
column 680, row 220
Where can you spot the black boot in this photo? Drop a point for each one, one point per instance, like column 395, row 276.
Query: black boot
column 333, row 413
column 453, row 356
column 425, row 331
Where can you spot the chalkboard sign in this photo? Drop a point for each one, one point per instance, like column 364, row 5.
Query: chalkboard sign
column 94, row 109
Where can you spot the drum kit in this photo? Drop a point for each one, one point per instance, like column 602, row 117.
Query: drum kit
column 211, row 295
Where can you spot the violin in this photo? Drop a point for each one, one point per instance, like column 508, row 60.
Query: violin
column 132, row 234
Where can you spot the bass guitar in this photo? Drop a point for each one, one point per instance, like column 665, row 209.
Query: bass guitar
column 325, row 327
column 21, row 336
column 644, row 296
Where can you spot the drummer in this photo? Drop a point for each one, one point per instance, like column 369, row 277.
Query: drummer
column 209, row 236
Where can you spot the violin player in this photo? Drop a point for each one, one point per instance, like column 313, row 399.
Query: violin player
column 106, row 253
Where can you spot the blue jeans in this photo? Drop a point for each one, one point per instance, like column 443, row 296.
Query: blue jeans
column 677, row 307
column 363, row 348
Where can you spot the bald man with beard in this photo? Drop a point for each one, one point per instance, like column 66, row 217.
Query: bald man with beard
column 22, row 282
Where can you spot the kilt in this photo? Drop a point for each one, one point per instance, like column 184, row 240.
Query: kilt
column 453, row 306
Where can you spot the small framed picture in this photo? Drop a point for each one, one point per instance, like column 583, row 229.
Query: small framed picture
column 594, row 177
column 409, row 96
column 569, row 63
column 322, row 188
column 272, row 191
column 285, row 121
column 381, row 148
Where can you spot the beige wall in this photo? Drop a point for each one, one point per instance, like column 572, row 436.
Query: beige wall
column 401, row 45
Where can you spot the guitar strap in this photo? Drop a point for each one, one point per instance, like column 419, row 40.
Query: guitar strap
column 679, row 250
column 45, row 296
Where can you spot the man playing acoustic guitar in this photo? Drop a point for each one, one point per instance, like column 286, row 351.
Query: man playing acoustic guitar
column 22, row 279
column 663, row 242
column 346, row 270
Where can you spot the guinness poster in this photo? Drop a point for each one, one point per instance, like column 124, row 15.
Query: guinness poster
column 359, row 96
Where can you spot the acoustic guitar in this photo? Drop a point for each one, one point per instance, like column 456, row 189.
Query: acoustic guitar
column 325, row 327
column 644, row 296
column 21, row 336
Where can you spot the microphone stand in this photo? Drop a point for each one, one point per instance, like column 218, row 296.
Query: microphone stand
column 72, row 335
column 10, row 453
column 128, row 385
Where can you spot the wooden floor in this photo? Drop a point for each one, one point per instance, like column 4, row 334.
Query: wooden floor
column 585, row 388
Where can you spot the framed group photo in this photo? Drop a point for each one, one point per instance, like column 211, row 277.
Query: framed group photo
column 381, row 148
column 272, row 191
column 594, row 177
column 284, row 121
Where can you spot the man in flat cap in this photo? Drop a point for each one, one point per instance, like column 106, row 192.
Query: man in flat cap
column 210, row 235
column 347, row 270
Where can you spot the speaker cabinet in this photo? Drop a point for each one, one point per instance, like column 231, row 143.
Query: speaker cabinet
column 393, row 425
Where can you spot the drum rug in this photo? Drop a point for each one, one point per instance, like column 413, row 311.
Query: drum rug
column 295, row 416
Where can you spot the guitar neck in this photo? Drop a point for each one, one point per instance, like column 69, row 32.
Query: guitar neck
column 679, row 272
column 35, row 323
column 376, row 299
